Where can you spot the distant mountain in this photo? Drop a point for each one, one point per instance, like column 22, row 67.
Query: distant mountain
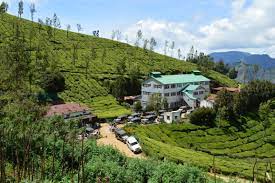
column 233, row 57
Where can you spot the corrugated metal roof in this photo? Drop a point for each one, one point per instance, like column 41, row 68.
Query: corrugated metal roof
column 191, row 87
column 189, row 95
column 180, row 78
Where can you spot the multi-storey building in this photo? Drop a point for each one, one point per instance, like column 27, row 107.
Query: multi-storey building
column 181, row 89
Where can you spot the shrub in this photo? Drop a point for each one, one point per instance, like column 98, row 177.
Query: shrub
column 53, row 82
column 203, row 116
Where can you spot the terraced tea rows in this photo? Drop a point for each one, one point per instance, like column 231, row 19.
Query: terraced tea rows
column 235, row 151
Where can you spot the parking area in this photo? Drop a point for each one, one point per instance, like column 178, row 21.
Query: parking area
column 109, row 138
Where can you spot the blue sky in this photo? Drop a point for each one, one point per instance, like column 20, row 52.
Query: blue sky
column 209, row 25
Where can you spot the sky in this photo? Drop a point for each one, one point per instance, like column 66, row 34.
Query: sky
column 208, row 25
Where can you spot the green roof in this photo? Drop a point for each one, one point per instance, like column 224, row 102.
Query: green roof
column 190, row 95
column 180, row 78
column 191, row 87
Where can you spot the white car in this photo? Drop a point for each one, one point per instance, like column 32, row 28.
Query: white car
column 133, row 144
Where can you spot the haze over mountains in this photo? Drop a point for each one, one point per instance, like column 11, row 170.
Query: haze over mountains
column 245, row 63
column 233, row 57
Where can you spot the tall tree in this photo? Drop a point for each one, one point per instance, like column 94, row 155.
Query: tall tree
column 3, row 8
column 79, row 28
column 172, row 48
column 145, row 43
column 56, row 24
column 68, row 28
column 49, row 27
column 20, row 8
column 40, row 24
column 139, row 37
column 190, row 55
column 113, row 34
column 165, row 47
column 179, row 54
column 32, row 10
column 153, row 43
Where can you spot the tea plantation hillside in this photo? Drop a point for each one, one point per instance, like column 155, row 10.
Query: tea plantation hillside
column 90, row 64
column 235, row 151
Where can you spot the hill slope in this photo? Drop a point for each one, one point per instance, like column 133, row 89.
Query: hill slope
column 73, row 55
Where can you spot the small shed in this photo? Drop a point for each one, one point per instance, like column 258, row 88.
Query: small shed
column 174, row 116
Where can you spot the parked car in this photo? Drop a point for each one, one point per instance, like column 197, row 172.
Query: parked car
column 120, row 119
column 150, row 113
column 121, row 135
column 135, row 115
column 149, row 119
column 133, row 145
column 136, row 120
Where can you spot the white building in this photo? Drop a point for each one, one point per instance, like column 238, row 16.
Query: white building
column 179, row 89
column 174, row 116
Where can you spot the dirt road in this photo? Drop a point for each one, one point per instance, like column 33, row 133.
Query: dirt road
column 108, row 138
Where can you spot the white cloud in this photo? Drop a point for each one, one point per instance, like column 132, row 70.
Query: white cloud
column 248, row 28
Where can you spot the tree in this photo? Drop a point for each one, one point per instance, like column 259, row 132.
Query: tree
column 255, row 70
column 145, row 43
column 40, row 24
column 139, row 37
column 221, row 67
column 32, row 10
column 118, row 87
column 3, row 8
column 190, row 55
column 179, row 54
column 68, row 28
column 153, row 43
column 56, row 24
column 113, row 34
column 20, row 8
column 118, row 35
column 232, row 74
column 49, row 26
column 53, row 82
column 165, row 47
column 203, row 116
column 172, row 48
column 265, row 112
column 137, row 106
column 155, row 102
column 79, row 28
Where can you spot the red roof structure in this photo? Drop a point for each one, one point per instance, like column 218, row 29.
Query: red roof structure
column 233, row 90
column 62, row 109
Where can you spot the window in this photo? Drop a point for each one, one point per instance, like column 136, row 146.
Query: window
column 173, row 94
column 179, row 85
column 146, row 85
column 179, row 93
column 176, row 117
column 173, row 86
column 166, row 86
column 166, row 95
column 200, row 92
column 145, row 93
column 157, row 86
column 168, row 117
column 206, row 82
column 195, row 93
